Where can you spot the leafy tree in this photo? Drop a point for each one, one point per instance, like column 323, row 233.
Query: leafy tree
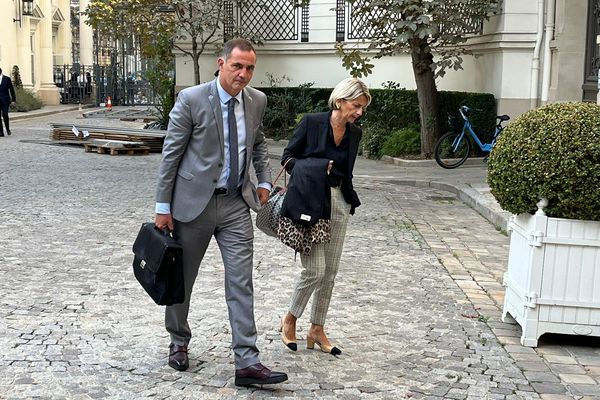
column 201, row 25
column 433, row 32
column 153, row 30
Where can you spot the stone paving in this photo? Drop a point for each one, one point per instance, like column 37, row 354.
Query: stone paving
column 416, row 307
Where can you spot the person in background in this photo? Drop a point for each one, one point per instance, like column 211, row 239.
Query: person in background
column 7, row 97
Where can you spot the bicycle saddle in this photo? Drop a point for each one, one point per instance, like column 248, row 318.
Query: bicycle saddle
column 503, row 117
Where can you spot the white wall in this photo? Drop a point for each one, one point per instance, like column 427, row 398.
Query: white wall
column 501, row 62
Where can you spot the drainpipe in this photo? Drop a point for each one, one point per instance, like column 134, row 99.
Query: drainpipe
column 551, row 7
column 535, row 66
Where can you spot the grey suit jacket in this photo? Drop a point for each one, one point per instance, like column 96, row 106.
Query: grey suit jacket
column 193, row 151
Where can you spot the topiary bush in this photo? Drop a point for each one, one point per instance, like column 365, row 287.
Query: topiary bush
column 551, row 152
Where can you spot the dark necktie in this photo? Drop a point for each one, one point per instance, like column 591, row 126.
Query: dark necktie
column 234, row 172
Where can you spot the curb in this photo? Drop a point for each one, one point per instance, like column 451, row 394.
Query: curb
column 27, row 115
column 425, row 163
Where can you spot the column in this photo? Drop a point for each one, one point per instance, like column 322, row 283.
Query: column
column 86, row 37
column 44, row 68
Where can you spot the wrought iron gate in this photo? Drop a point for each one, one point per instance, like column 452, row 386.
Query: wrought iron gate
column 93, row 84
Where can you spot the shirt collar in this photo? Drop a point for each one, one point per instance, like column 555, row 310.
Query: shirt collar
column 224, row 96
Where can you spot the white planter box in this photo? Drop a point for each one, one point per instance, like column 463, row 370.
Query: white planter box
column 553, row 277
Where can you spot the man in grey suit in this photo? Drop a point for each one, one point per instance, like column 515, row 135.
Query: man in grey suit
column 204, row 190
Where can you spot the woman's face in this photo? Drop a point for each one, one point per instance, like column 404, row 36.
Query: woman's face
column 351, row 110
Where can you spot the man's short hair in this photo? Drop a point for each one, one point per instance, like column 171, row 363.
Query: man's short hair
column 237, row 43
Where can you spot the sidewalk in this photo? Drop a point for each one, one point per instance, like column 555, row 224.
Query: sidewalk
column 44, row 111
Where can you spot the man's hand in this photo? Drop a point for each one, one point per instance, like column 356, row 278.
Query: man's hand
column 162, row 221
column 263, row 195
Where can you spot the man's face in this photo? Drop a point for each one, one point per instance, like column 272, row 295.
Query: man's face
column 236, row 72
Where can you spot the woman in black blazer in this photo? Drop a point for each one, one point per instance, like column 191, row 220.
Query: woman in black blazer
column 332, row 136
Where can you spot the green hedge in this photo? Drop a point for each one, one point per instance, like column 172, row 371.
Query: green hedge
column 390, row 110
column 26, row 101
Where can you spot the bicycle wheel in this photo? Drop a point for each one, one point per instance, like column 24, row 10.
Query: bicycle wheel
column 450, row 155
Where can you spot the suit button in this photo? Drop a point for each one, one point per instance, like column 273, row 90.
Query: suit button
column 220, row 164
column 215, row 180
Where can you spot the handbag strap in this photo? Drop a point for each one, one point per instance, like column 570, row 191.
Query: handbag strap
column 281, row 171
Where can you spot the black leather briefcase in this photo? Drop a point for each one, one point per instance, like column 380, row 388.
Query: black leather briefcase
column 157, row 265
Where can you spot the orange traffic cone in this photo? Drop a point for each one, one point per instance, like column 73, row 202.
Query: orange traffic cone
column 108, row 104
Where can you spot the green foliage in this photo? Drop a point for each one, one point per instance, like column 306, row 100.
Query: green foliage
column 551, row 152
column 274, row 80
column 403, row 142
column 436, row 26
column 390, row 110
column 399, row 108
column 357, row 64
column 483, row 117
column 16, row 77
column 159, row 71
column 284, row 105
column 26, row 101
column 372, row 142
column 433, row 32
column 153, row 31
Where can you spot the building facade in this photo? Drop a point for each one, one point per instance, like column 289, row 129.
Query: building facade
column 534, row 52
column 36, row 35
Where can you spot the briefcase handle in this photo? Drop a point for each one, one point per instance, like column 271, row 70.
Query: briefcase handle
column 165, row 231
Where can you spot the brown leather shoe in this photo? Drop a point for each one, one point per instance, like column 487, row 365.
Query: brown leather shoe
column 178, row 357
column 258, row 374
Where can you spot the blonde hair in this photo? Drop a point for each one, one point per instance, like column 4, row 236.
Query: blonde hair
column 348, row 89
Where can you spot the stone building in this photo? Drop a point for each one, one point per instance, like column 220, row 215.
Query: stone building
column 534, row 52
column 36, row 35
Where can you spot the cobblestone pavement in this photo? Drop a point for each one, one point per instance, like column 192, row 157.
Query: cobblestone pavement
column 415, row 310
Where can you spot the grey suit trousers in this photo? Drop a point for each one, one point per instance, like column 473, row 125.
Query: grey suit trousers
column 227, row 218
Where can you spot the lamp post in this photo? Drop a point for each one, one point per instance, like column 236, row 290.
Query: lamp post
column 24, row 8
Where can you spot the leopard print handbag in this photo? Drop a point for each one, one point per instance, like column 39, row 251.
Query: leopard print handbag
column 302, row 237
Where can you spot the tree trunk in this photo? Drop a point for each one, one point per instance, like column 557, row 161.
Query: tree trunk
column 427, row 95
column 195, row 60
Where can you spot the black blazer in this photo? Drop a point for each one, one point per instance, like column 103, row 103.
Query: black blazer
column 7, row 91
column 308, row 196
column 310, row 140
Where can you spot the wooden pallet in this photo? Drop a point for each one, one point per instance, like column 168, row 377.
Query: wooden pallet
column 144, row 137
column 114, row 151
